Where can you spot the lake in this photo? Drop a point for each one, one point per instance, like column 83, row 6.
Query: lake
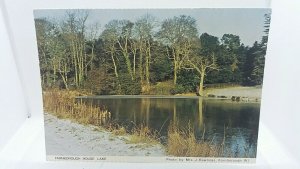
column 213, row 118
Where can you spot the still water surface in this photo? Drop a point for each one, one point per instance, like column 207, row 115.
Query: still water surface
column 213, row 117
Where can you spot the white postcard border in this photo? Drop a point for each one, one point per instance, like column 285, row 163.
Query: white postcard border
column 146, row 159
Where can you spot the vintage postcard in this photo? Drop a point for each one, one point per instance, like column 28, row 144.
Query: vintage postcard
column 152, row 85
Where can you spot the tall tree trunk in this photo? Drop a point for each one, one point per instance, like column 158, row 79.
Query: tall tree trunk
column 75, row 63
column 64, row 80
column 141, row 64
column 175, row 73
column 134, row 62
column 85, row 62
column 202, row 75
column 148, row 56
column 115, row 66
column 80, row 57
column 128, row 63
column 54, row 73
column 116, row 73
column 175, row 66
column 43, row 74
column 126, row 56
column 66, row 76
column 147, row 71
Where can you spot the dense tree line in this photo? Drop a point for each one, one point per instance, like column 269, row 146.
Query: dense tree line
column 129, row 57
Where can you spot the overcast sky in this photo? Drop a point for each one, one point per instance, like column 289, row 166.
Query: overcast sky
column 247, row 23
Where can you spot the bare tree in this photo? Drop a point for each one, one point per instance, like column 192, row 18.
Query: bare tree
column 44, row 28
column 91, row 37
column 134, row 47
column 144, row 34
column 124, row 30
column 110, row 38
column 74, row 29
column 202, row 65
column 178, row 34
column 57, row 56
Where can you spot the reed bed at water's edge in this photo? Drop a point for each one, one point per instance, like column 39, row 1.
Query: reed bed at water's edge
column 64, row 105
column 182, row 142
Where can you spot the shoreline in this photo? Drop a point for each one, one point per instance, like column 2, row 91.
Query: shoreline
column 64, row 137
column 245, row 94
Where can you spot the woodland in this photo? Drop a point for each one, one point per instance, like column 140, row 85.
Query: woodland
column 145, row 56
